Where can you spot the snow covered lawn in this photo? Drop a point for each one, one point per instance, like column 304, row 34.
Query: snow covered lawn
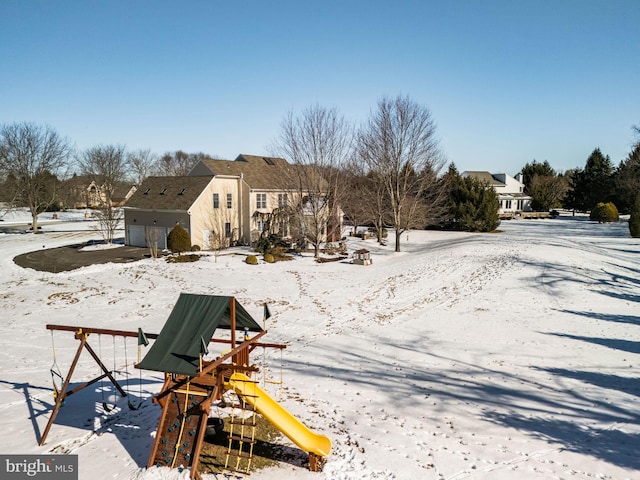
column 511, row 355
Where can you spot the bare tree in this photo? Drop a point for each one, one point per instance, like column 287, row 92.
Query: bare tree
column 547, row 191
column 365, row 201
column 33, row 156
column 107, row 167
column 318, row 143
column 142, row 164
column 178, row 163
column 398, row 143
column 151, row 237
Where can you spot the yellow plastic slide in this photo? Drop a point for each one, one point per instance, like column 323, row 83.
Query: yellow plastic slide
column 279, row 417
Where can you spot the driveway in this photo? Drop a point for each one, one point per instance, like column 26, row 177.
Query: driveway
column 64, row 259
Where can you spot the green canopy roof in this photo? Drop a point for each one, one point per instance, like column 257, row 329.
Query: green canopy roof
column 194, row 319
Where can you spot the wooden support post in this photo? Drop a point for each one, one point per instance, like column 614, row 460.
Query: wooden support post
column 206, row 407
column 232, row 314
column 63, row 390
column 316, row 462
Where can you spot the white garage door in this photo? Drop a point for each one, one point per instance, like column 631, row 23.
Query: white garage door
column 135, row 234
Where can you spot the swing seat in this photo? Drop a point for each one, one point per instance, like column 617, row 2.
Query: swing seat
column 56, row 390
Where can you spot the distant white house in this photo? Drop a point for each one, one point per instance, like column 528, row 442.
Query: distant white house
column 510, row 190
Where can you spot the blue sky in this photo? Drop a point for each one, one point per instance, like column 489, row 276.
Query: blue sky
column 507, row 82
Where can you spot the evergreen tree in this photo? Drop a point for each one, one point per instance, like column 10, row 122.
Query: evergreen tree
column 530, row 170
column 593, row 184
column 627, row 180
column 474, row 204
column 178, row 240
column 634, row 220
column 451, row 183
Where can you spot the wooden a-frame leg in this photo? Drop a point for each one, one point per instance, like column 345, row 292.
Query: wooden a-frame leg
column 63, row 390
column 104, row 369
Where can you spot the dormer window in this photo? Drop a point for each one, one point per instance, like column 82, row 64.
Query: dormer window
column 181, row 192
column 163, row 191
column 268, row 160
column 146, row 192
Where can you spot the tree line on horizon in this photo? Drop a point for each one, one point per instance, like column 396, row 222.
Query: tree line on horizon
column 387, row 172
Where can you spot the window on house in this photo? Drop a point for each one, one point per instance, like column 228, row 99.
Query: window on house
column 229, row 200
column 260, row 226
column 227, row 230
column 261, row 200
column 507, row 204
column 282, row 200
column 216, row 200
column 284, row 229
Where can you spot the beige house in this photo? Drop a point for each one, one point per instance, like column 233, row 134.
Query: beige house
column 220, row 202
column 161, row 203
column 81, row 191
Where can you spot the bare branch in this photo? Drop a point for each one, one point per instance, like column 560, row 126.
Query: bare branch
column 318, row 143
column 33, row 156
column 400, row 149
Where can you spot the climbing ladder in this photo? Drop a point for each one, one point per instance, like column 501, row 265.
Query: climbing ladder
column 181, row 427
column 242, row 431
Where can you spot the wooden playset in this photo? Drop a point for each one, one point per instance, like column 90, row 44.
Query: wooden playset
column 193, row 384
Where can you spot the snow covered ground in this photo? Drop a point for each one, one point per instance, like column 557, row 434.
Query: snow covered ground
column 511, row 355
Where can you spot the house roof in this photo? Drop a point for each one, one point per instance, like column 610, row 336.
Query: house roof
column 78, row 181
column 122, row 190
column 484, row 176
column 258, row 172
column 168, row 193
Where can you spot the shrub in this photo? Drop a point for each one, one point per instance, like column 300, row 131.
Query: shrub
column 183, row 258
column 195, row 248
column 265, row 243
column 269, row 258
column 279, row 254
column 330, row 248
column 634, row 219
column 604, row 212
column 178, row 240
column 251, row 260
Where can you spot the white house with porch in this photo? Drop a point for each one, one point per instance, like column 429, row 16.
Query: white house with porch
column 510, row 190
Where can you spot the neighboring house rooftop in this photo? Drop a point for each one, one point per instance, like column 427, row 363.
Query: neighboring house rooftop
column 485, row 177
column 168, row 193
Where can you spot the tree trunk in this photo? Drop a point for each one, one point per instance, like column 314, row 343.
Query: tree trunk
column 398, row 234
column 34, row 221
